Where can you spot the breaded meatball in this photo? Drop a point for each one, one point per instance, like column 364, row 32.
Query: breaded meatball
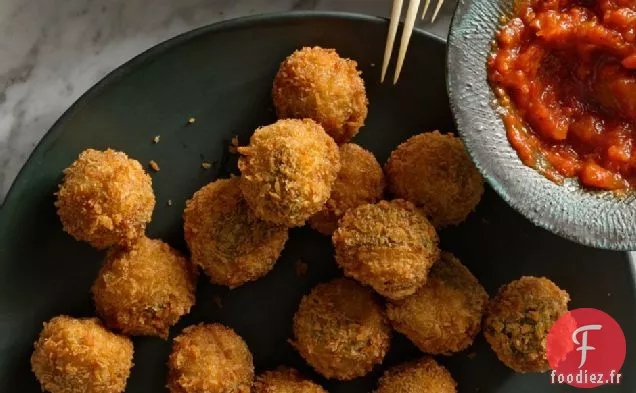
column 359, row 181
column 210, row 358
column 79, row 355
column 318, row 84
column 421, row 376
column 389, row 246
column 105, row 198
column 285, row 380
column 341, row 330
column 435, row 172
column 145, row 288
column 226, row 239
column 288, row 171
column 444, row 315
column 518, row 320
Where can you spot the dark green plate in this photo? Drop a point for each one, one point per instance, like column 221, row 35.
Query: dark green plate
column 221, row 75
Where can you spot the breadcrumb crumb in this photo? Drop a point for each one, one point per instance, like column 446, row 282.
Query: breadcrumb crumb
column 169, row 202
column 156, row 139
column 192, row 120
column 301, row 268
column 206, row 165
column 154, row 166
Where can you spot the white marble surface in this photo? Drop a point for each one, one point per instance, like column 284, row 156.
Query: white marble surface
column 52, row 51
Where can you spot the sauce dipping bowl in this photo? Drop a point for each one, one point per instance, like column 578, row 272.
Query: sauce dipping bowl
column 601, row 219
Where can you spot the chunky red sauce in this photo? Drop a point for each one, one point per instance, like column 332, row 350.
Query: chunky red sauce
column 565, row 72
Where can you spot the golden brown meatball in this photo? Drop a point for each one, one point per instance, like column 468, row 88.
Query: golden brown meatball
column 80, row 355
column 318, row 84
column 359, row 181
column 518, row 321
column 210, row 359
column 288, row 170
column 435, row 172
column 226, row 239
column 285, row 380
column 105, row 198
column 444, row 315
column 144, row 289
column 341, row 330
column 389, row 246
column 421, row 376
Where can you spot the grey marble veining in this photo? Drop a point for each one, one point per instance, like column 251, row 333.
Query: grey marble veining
column 53, row 51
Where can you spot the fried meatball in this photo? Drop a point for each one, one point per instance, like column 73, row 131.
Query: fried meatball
column 226, row 239
column 144, row 289
column 80, row 355
column 359, row 181
column 421, row 376
column 444, row 315
column 389, row 246
column 288, row 171
column 105, row 198
column 518, row 320
column 285, row 380
column 341, row 330
column 435, row 172
column 210, row 358
column 317, row 83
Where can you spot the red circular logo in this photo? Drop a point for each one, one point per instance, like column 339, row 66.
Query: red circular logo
column 586, row 348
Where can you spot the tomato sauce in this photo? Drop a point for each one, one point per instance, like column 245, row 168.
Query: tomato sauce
column 565, row 74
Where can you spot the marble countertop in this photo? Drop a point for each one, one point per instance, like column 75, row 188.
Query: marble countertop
column 53, row 51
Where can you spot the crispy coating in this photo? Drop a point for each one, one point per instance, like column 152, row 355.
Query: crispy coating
column 285, row 380
column 226, row 239
column 79, row 355
column 210, row 358
column 105, row 198
column 317, row 83
column 288, row 171
column 421, row 376
column 518, row 321
column 341, row 330
column 444, row 315
column 435, row 172
column 144, row 289
column 359, row 181
column 389, row 246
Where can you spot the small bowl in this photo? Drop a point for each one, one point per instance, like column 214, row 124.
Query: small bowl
column 600, row 219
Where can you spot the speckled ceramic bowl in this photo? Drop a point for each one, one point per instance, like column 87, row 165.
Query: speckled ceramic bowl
column 597, row 219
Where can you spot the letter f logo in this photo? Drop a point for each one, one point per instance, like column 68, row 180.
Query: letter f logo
column 583, row 346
